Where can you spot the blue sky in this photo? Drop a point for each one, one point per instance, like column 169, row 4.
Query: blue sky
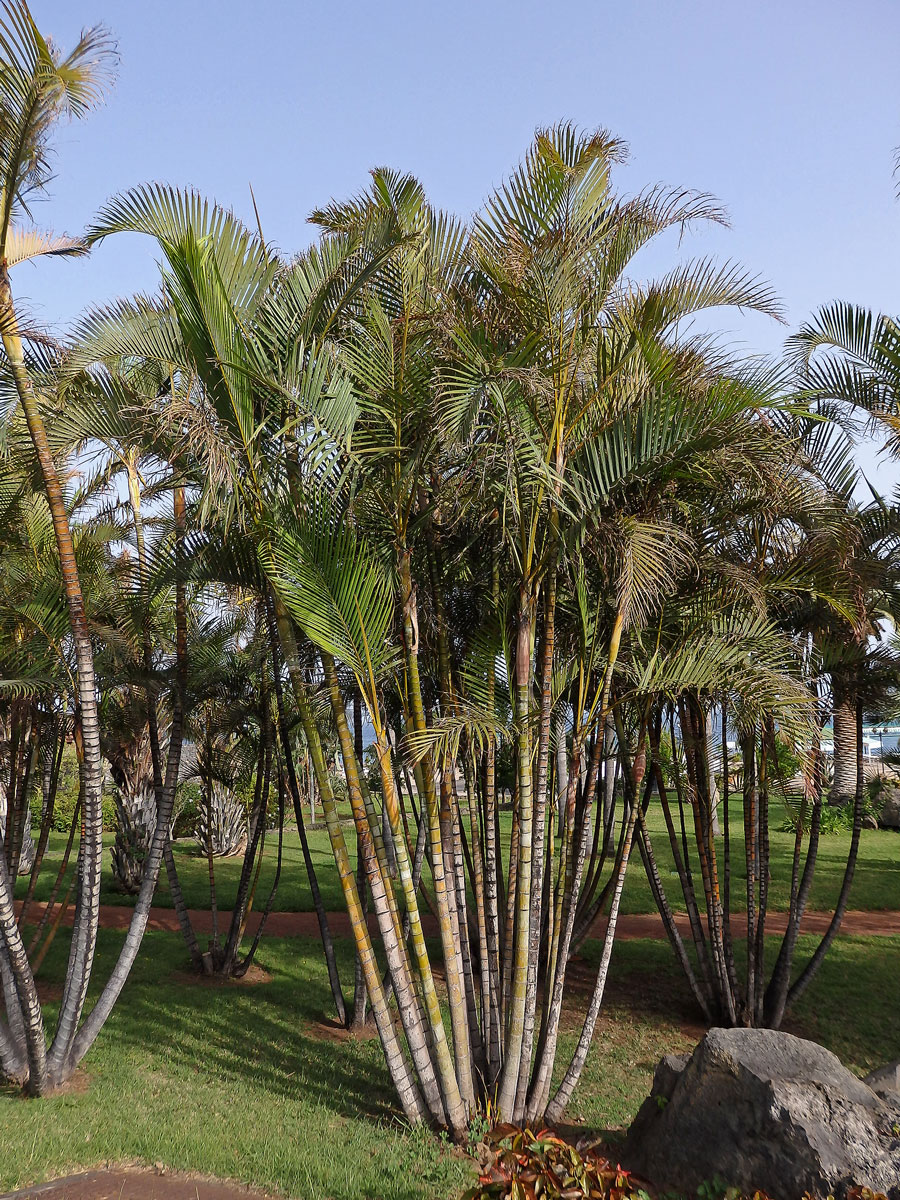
column 787, row 111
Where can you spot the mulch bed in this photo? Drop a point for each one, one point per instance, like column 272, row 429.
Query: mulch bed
column 137, row 1184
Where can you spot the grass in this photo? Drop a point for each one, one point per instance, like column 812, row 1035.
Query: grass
column 293, row 893
column 249, row 1082
column 238, row 1081
column 876, row 884
column 851, row 1007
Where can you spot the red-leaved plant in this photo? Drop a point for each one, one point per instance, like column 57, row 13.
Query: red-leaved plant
column 526, row 1165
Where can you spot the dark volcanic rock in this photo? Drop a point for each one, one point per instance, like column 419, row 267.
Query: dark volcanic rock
column 890, row 808
column 760, row 1109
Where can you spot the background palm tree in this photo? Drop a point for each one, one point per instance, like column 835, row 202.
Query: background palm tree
column 848, row 365
column 38, row 86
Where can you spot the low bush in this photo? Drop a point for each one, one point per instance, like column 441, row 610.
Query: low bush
column 64, row 809
column 835, row 818
column 522, row 1165
column 67, row 798
column 188, row 799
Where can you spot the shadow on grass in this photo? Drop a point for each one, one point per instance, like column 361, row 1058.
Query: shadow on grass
column 243, row 1081
column 230, row 1081
column 264, row 1034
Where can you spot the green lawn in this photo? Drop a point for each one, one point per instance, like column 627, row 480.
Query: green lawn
column 248, row 1082
column 876, row 884
column 850, row 1007
column 293, row 893
column 231, row 1080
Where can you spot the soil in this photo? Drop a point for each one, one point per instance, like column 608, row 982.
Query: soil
column 137, row 1184
column 76, row 1085
column 48, row 993
column 333, row 1031
column 253, row 976
column 637, row 925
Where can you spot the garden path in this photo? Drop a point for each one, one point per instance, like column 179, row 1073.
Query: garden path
column 877, row 923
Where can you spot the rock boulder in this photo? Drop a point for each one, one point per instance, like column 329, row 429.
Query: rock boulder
column 889, row 800
column 760, row 1109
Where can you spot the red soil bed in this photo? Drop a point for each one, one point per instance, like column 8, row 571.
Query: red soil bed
column 129, row 1184
column 641, row 925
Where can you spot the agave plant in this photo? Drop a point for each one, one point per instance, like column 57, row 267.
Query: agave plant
column 135, row 822
column 222, row 826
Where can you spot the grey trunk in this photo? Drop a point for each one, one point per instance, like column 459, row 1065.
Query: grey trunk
column 843, row 788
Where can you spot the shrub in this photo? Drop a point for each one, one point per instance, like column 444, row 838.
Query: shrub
column 67, row 798
column 835, row 818
column 64, row 810
column 788, row 762
column 188, row 801
column 524, row 1164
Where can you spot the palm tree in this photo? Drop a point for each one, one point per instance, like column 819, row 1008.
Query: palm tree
column 848, row 363
column 239, row 337
column 849, row 357
column 480, row 480
column 34, row 614
column 551, row 255
column 815, row 573
column 570, row 392
column 38, row 87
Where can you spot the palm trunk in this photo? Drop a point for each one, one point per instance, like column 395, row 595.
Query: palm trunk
column 399, row 1069
column 243, row 966
column 442, row 893
column 562, row 923
column 284, row 735
column 751, row 838
column 452, row 1100
column 13, row 1042
column 698, row 988
column 384, row 902
column 807, row 974
column 84, row 936
column 557, row 1105
column 538, row 873
column 843, row 788
column 57, row 883
column 253, row 854
column 358, row 1019
column 50, row 787
column 141, row 915
column 178, row 903
column 519, row 950
column 25, row 1004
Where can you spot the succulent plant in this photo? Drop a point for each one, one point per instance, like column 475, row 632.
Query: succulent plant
column 135, row 822
column 222, row 827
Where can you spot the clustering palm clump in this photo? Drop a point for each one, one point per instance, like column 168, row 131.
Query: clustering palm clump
column 480, row 490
